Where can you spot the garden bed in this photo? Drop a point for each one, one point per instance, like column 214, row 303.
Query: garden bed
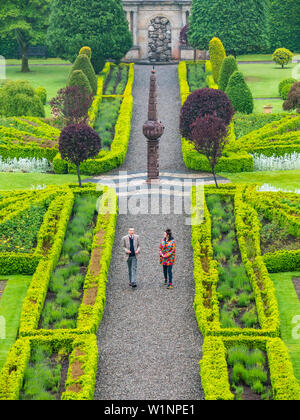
column 116, row 80
column 247, row 368
column 196, row 75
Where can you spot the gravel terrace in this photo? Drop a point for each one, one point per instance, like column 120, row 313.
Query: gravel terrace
column 149, row 341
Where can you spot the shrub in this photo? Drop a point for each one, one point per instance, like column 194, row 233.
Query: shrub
column 79, row 142
column 293, row 99
column 290, row 81
column 202, row 102
column 18, row 98
column 184, row 35
column 87, row 51
column 239, row 93
column 71, row 105
column 83, row 63
column 285, row 91
column 98, row 63
column 229, row 66
column 42, row 94
column 282, row 56
column 79, row 79
column 209, row 136
column 217, row 54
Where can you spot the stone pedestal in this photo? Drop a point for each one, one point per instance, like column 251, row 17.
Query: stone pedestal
column 153, row 160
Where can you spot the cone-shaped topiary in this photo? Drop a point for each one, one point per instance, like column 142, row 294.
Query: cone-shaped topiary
column 83, row 63
column 78, row 78
column 239, row 93
column 204, row 102
column 87, row 51
column 217, row 54
column 229, row 66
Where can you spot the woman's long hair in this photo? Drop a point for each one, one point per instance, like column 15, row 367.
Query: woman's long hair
column 169, row 235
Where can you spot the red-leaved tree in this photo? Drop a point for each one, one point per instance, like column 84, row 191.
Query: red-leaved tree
column 209, row 135
column 293, row 99
column 71, row 105
column 184, row 35
column 77, row 143
column 204, row 102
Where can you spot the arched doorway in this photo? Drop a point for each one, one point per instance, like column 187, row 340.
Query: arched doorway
column 160, row 38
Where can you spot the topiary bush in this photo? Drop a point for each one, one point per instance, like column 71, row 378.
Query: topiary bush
column 78, row 78
column 229, row 66
column 293, row 99
column 83, row 63
column 204, row 102
column 77, row 143
column 42, row 94
column 282, row 56
column 290, row 81
column 217, row 54
column 18, row 98
column 87, row 51
column 285, row 91
column 239, row 93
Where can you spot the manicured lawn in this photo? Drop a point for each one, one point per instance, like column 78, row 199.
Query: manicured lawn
column 289, row 307
column 263, row 79
column 289, row 180
column 33, row 61
column 10, row 308
column 11, row 181
column 255, row 57
column 276, row 103
column 52, row 78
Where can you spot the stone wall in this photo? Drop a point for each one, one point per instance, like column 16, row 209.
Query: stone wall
column 159, row 47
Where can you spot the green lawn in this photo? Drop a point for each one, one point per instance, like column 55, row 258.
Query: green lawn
column 289, row 307
column 277, row 105
column 52, row 78
column 10, row 308
column 263, row 79
column 11, row 181
column 33, row 61
column 255, row 57
column 280, row 179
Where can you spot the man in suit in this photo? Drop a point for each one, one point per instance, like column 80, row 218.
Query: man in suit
column 131, row 246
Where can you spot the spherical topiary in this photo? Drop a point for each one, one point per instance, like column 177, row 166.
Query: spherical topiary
column 42, row 94
column 77, row 143
column 18, row 98
column 78, row 78
column 239, row 93
column 229, row 66
column 217, row 54
column 285, row 91
column 83, row 63
column 87, row 51
column 289, row 81
column 282, row 56
column 204, row 102
column 293, row 99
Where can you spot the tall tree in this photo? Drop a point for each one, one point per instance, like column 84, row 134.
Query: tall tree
column 242, row 25
column 284, row 24
column 98, row 24
column 27, row 20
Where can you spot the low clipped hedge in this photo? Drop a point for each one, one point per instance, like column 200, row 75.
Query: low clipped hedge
column 82, row 349
column 230, row 161
column 215, row 374
column 115, row 157
column 207, row 310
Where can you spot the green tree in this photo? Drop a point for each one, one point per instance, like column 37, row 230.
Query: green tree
column 282, row 56
column 83, row 63
column 241, row 25
column 229, row 66
column 101, row 25
column 284, row 18
column 239, row 93
column 27, row 21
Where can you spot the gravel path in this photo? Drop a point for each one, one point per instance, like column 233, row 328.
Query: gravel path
column 149, row 341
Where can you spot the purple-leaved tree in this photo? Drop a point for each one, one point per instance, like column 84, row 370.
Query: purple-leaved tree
column 77, row 143
column 71, row 105
column 209, row 135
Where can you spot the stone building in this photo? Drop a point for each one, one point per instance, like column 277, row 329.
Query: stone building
column 156, row 26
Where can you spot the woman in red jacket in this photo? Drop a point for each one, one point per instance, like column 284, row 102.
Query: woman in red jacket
column 167, row 252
